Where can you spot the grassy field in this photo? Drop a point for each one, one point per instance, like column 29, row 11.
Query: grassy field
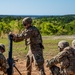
column 49, row 42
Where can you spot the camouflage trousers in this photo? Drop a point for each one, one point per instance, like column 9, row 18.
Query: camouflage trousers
column 55, row 70
column 38, row 62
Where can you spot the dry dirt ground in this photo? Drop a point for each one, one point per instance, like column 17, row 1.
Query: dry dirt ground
column 21, row 67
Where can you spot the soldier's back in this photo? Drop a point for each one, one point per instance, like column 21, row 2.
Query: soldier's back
column 71, row 57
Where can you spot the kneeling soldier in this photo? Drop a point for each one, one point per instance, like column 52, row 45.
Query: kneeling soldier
column 3, row 62
column 66, row 58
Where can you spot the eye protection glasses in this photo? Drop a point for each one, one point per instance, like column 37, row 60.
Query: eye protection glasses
column 2, row 49
column 24, row 24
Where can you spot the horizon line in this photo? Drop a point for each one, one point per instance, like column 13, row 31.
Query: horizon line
column 33, row 15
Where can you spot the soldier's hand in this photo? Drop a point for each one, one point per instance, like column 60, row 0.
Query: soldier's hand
column 10, row 33
column 47, row 63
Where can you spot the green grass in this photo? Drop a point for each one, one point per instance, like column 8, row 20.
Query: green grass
column 50, row 44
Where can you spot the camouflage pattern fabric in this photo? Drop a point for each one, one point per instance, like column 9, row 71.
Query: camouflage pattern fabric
column 66, row 58
column 32, row 39
column 73, row 44
column 3, row 63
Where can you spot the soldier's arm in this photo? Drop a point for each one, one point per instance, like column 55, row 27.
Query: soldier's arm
column 57, row 59
column 22, row 36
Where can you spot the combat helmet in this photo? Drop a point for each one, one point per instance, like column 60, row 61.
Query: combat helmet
column 73, row 44
column 62, row 44
column 2, row 46
column 27, row 19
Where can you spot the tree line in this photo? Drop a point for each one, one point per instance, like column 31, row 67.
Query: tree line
column 48, row 25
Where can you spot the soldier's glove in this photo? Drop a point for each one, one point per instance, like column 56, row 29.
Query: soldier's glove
column 11, row 35
column 53, row 68
column 49, row 63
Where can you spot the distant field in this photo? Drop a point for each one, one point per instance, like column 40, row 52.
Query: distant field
column 49, row 42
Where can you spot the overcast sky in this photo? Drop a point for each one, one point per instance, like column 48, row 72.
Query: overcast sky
column 37, row 7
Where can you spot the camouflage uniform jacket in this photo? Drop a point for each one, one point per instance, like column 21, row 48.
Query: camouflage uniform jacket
column 32, row 38
column 66, row 58
column 3, row 63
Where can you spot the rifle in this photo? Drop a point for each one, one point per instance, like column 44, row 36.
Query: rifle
column 55, row 70
column 11, row 62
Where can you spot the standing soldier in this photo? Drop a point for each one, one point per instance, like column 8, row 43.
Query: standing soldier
column 66, row 58
column 32, row 38
column 73, row 44
column 3, row 62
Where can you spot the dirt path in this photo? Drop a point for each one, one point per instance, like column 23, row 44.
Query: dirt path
column 21, row 66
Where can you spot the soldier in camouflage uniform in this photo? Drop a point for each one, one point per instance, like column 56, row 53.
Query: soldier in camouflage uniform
column 73, row 44
column 33, row 38
column 66, row 58
column 3, row 62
